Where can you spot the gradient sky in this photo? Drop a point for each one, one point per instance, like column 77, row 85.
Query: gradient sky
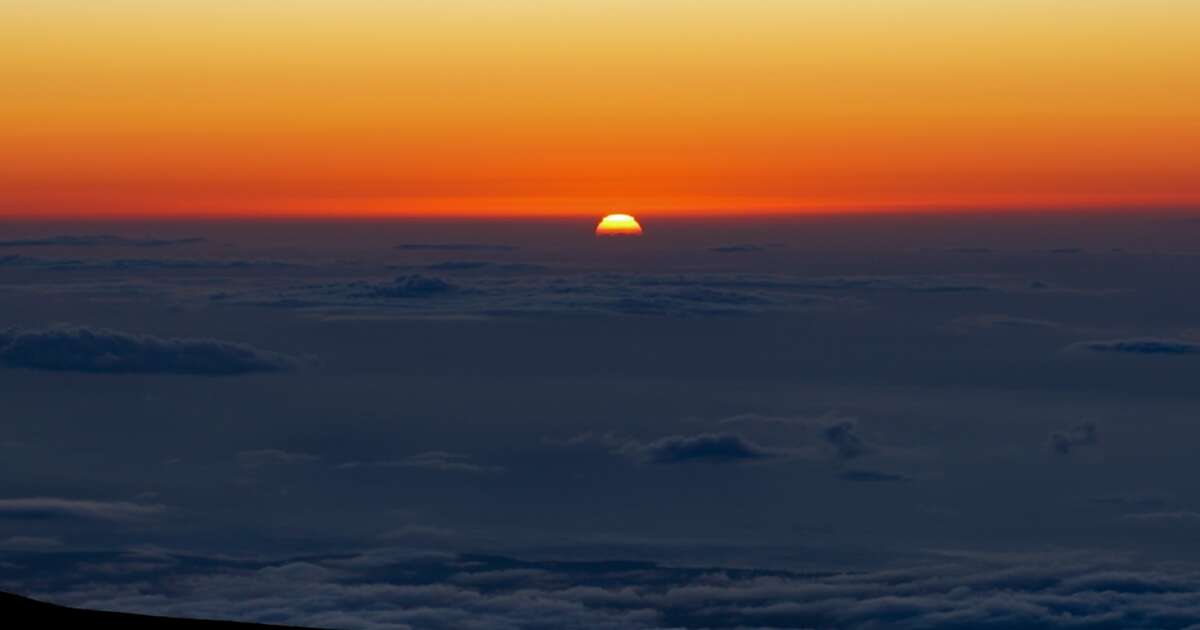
column 477, row 107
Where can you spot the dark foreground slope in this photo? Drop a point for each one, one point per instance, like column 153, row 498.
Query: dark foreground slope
column 21, row 612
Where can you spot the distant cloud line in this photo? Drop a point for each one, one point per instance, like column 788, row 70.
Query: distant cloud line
column 423, row 587
column 100, row 240
column 67, row 348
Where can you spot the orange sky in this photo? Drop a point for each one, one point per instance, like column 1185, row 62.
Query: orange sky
column 558, row 107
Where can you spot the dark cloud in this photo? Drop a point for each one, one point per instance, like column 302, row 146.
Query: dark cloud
column 1135, row 499
column 455, row 247
column 843, row 437
column 432, row 460
column 919, row 283
column 705, row 447
column 53, row 507
column 668, row 305
column 412, row 286
column 1005, row 321
column 270, row 456
column 100, row 240
column 422, row 535
column 17, row 260
column 1178, row 517
column 30, row 543
column 1139, row 345
column 483, row 265
column 459, row 265
column 1063, row 442
column 839, row 434
column 150, row 264
column 800, row 421
column 871, row 476
column 743, row 248
column 144, row 264
column 492, row 290
column 909, row 283
column 489, row 289
column 813, row 438
column 81, row 349
column 608, row 440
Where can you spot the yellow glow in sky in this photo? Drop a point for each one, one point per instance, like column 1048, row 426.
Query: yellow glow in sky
column 558, row 107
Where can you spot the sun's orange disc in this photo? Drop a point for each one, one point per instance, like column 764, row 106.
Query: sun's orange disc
column 619, row 225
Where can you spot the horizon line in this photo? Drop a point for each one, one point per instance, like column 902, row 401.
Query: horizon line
column 1182, row 207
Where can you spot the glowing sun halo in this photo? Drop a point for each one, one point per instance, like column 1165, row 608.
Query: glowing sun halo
column 618, row 225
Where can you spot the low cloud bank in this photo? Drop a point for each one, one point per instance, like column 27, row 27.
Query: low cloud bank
column 100, row 350
column 1065, row 441
column 398, row 588
column 38, row 508
column 454, row 247
column 705, row 447
column 99, row 240
column 1139, row 345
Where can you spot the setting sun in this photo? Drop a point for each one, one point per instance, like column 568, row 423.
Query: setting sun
column 619, row 225
column 922, row 264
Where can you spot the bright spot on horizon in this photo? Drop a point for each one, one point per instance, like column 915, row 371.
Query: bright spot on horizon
column 619, row 225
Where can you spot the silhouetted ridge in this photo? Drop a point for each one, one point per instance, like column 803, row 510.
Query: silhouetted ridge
column 23, row 612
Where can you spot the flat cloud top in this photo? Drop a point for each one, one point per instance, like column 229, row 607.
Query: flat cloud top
column 55, row 507
column 82, row 349
column 1140, row 345
column 399, row 587
column 711, row 447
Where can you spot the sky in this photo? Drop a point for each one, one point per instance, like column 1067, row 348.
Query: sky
column 304, row 319
column 472, row 107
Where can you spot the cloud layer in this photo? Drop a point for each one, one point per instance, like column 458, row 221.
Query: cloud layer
column 705, row 447
column 442, row 461
column 99, row 240
column 409, row 588
column 1065, row 441
column 1140, row 345
column 82, row 349
column 35, row 508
